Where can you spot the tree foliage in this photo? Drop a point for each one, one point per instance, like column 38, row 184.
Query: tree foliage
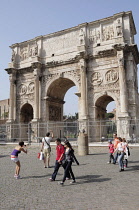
column 109, row 115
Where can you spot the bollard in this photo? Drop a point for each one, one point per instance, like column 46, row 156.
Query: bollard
column 82, row 144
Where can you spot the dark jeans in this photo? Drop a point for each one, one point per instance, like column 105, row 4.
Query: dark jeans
column 111, row 157
column 57, row 166
column 68, row 170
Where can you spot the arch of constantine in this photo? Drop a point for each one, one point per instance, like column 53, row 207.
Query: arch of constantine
column 100, row 58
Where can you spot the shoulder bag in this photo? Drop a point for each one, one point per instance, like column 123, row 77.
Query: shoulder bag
column 48, row 144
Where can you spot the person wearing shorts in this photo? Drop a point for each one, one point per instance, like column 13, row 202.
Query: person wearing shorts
column 47, row 149
column 14, row 157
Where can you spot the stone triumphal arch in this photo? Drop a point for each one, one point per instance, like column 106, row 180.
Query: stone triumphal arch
column 100, row 58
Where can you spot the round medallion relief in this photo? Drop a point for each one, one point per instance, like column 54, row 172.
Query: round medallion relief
column 96, row 78
column 31, row 87
column 22, row 89
column 111, row 76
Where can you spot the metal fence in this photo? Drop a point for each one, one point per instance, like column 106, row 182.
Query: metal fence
column 96, row 130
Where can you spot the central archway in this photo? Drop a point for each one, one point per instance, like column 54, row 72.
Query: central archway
column 55, row 98
column 55, row 108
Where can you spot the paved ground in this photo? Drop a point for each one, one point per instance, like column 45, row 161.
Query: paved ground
column 99, row 185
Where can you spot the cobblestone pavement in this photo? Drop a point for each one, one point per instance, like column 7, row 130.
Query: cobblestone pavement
column 99, row 185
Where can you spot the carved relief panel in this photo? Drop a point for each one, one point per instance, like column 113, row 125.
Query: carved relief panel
column 33, row 49
column 94, row 35
column 105, row 80
column 23, row 53
column 25, row 92
column 107, row 32
column 60, row 43
column 54, row 113
column 29, row 50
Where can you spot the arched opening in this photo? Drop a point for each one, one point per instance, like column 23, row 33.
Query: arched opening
column 55, row 101
column 105, row 121
column 101, row 105
column 71, row 102
column 111, row 111
column 26, row 114
column 55, row 98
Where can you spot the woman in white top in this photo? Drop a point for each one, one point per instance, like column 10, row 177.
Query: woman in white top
column 126, row 152
column 120, row 149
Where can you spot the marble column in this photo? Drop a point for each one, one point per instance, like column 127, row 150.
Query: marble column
column 83, row 124
column 12, row 107
column 122, row 83
column 83, row 89
column 36, row 72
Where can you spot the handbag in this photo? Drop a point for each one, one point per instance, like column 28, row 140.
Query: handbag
column 38, row 155
column 128, row 151
column 64, row 162
column 41, row 156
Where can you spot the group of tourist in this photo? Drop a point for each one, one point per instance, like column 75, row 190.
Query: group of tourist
column 64, row 157
column 119, row 151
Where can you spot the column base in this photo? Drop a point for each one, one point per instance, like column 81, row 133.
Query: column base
column 82, row 144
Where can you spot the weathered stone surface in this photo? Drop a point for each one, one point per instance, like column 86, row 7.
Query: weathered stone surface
column 99, row 57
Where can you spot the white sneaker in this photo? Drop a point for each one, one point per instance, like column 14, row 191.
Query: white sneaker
column 18, row 177
column 61, row 183
column 72, row 182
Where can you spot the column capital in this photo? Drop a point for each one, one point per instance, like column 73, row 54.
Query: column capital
column 12, row 76
column 36, row 65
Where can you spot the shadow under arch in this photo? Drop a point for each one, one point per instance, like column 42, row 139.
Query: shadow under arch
column 55, row 94
column 26, row 113
column 104, row 127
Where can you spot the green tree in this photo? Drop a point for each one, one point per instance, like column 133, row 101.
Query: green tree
column 109, row 115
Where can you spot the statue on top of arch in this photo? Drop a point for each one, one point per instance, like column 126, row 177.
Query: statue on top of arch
column 119, row 28
column 82, row 37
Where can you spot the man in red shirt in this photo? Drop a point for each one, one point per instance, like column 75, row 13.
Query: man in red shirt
column 60, row 150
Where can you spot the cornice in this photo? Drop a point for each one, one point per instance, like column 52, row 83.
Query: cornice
column 48, row 98
column 60, row 63
column 103, row 53
column 110, row 18
column 10, row 70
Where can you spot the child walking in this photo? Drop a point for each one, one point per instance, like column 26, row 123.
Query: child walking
column 111, row 151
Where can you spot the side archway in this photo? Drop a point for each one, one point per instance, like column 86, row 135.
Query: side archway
column 26, row 113
column 104, row 128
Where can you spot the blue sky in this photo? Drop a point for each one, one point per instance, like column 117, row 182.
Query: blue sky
column 23, row 20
